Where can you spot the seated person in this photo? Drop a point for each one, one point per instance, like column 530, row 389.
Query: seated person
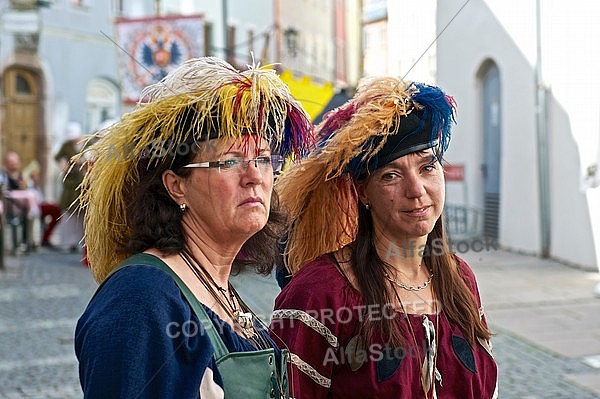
column 12, row 179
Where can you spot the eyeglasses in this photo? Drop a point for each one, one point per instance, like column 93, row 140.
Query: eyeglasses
column 266, row 163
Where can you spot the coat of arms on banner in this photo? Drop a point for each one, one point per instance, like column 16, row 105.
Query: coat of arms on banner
column 152, row 47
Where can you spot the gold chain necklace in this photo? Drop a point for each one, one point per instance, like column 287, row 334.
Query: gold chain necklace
column 410, row 287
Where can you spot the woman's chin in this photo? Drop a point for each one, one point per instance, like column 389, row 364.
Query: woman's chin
column 252, row 227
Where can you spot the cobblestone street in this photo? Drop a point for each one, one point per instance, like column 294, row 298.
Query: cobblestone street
column 527, row 372
column 41, row 297
column 43, row 294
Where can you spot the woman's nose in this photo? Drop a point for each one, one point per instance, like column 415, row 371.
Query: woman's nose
column 414, row 186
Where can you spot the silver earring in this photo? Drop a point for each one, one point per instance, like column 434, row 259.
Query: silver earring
column 183, row 207
column 368, row 207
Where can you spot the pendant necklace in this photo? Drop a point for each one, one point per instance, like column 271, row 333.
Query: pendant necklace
column 429, row 372
column 243, row 319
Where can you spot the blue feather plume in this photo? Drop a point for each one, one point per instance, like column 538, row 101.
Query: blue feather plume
column 434, row 102
column 441, row 107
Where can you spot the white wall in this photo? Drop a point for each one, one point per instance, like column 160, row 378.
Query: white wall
column 504, row 31
column 411, row 36
column 375, row 48
column 472, row 38
column 571, row 55
column 314, row 21
column 353, row 41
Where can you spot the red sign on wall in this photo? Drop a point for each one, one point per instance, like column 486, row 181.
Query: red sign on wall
column 454, row 172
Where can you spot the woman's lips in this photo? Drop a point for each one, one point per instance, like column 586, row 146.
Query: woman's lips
column 253, row 201
column 417, row 211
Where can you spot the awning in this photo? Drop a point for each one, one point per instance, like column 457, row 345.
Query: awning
column 316, row 98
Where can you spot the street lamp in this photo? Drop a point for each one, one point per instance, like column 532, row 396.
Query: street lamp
column 291, row 41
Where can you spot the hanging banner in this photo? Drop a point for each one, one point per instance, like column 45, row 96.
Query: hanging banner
column 152, row 47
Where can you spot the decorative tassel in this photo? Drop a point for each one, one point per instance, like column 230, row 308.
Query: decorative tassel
column 428, row 368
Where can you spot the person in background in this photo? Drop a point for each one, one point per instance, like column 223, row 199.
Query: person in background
column 377, row 306
column 73, row 173
column 21, row 206
column 12, row 176
column 164, row 224
column 50, row 212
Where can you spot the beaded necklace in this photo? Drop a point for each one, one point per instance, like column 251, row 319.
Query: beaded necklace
column 410, row 287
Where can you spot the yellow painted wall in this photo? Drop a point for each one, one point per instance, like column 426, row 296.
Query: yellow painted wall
column 313, row 96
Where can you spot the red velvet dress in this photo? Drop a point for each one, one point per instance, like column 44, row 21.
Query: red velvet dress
column 319, row 312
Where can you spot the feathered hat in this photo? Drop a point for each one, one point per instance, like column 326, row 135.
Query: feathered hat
column 224, row 103
column 386, row 119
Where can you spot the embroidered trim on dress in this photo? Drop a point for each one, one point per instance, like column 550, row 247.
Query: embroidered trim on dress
column 309, row 321
column 310, row 371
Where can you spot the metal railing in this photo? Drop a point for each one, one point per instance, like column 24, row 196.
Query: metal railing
column 462, row 221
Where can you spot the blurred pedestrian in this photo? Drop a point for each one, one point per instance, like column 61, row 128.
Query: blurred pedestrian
column 72, row 177
column 50, row 212
column 22, row 203
column 12, row 176
column 164, row 223
column 377, row 306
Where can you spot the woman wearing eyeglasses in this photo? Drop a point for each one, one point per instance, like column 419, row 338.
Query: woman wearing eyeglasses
column 164, row 223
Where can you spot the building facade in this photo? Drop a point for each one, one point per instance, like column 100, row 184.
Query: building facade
column 528, row 121
column 65, row 60
column 58, row 64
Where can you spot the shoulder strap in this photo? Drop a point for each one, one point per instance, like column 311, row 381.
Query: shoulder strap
column 151, row 260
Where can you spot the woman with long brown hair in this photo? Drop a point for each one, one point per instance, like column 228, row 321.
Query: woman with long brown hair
column 377, row 306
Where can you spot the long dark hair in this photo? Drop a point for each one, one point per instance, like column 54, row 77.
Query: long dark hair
column 450, row 288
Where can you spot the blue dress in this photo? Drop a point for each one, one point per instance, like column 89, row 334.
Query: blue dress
column 139, row 338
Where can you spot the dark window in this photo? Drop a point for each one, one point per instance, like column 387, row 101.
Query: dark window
column 22, row 85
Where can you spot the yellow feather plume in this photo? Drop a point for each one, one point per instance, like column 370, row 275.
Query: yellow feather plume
column 255, row 100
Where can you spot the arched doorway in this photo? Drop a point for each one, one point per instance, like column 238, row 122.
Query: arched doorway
column 22, row 122
column 491, row 112
column 102, row 99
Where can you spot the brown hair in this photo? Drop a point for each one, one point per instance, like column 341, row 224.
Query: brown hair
column 450, row 288
column 155, row 219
